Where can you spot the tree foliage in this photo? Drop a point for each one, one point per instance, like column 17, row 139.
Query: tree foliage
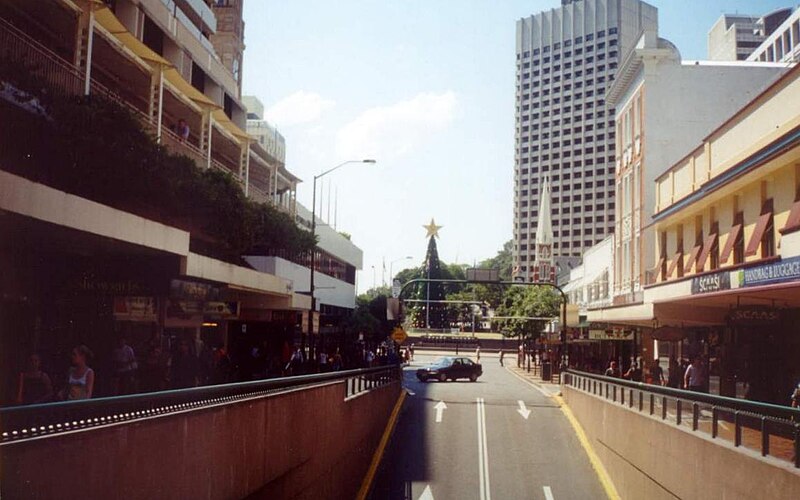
column 523, row 302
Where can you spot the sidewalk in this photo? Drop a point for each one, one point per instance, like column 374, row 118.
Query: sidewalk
column 532, row 377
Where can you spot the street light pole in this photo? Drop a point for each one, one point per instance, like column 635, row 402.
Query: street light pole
column 391, row 266
column 314, row 257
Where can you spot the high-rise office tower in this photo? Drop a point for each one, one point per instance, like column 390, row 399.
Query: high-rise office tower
column 735, row 36
column 566, row 58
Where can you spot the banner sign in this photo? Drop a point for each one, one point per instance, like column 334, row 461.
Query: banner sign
column 192, row 290
column 221, row 310
column 754, row 316
column 135, row 309
column 614, row 334
column 711, row 283
column 774, row 272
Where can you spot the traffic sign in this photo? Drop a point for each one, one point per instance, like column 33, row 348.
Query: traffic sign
column 399, row 335
column 396, row 288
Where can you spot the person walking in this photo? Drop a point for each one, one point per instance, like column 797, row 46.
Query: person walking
column 125, row 367
column 502, row 355
column 612, row 370
column 694, row 378
column 34, row 385
column 80, row 378
column 184, row 368
column 478, row 354
column 657, row 373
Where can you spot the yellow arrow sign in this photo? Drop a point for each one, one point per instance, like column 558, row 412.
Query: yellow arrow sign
column 399, row 335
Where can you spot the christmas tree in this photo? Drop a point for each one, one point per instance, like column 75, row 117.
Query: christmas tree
column 432, row 315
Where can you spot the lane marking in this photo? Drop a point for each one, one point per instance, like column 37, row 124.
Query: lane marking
column 548, row 493
column 522, row 410
column 597, row 465
column 427, row 494
column 410, row 392
column 440, row 408
column 369, row 477
column 483, row 455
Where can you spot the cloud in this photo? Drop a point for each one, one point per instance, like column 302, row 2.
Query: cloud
column 298, row 108
column 393, row 130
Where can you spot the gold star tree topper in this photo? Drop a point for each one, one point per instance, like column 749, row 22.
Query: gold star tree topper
column 433, row 229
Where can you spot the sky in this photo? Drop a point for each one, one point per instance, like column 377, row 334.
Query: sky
column 426, row 88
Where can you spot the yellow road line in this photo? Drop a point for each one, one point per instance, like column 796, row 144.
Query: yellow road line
column 597, row 465
column 366, row 485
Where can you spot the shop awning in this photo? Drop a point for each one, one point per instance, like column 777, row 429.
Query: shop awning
column 758, row 234
column 692, row 258
column 711, row 239
column 222, row 119
column 793, row 221
column 623, row 315
column 732, row 237
column 674, row 264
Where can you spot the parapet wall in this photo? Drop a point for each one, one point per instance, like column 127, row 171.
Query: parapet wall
column 647, row 458
column 305, row 443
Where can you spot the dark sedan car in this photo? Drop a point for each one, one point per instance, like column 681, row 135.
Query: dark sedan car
column 450, row 368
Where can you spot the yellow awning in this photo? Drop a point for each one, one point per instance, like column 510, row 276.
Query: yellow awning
column 174, row 77
column 105, row 18
column 226, row 123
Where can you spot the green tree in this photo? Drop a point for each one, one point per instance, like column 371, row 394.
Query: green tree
column 501, row 261
column 526, row 302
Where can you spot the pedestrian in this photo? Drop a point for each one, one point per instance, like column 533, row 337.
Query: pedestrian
column 674, row 375
column 125, row 367
column 694, row 378
column 795, row 397
column 336, row 363
column 657, row 373
column 184, row 367
column 634, row 373
column 323, row 361
column 612, row 370
column 502, row 355
column 80, row 378
column 370, row 358
column 478, row 354
column 154, row 372
column 34, row 385
column 411, row 351
column 182, row 129
column 520, row 356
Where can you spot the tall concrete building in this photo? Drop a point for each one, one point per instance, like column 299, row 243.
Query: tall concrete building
column 783, row 44
column 735, row 36
column 566, row 58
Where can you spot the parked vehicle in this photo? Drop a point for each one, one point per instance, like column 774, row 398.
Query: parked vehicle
column 450, row 368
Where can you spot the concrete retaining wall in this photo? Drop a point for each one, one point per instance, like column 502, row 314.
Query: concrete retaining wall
column 309, row 443
column 647, row 458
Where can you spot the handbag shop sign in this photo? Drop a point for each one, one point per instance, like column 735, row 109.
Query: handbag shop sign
column 775, row 272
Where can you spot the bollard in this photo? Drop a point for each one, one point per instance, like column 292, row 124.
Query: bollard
column 714, row 422
column 695, row 416
column 678, row 407
column 652, row 403
column 764, row 437
column 737, row 429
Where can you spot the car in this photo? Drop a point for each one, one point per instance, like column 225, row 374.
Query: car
column 450, row 368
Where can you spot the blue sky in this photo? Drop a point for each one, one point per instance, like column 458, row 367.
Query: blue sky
column 426, row 87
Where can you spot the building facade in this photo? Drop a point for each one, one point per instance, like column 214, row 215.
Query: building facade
column 565, row 60
column 663, row 105
column 727, row 217
column 783, row 44
column 734, row 37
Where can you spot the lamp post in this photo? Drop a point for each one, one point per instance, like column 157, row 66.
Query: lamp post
column 314, row 255
column 391, row 264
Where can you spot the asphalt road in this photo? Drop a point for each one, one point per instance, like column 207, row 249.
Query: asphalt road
column 483, row 447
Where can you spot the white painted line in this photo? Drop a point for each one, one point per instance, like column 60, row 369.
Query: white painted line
column 483, row 455
column 522, row 410
column 548, row 493
column 427, row 494
column 440, row 408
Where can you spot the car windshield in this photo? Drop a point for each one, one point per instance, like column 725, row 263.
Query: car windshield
column 442, row 363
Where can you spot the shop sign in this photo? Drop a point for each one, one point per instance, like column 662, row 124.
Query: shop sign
column 192, row 290
column 131, row 308
column 221, row 310
column 754, row 316
column 611, row 334
column 89, row 283
column 711, row 283
column 184, row 309
column 775, row 272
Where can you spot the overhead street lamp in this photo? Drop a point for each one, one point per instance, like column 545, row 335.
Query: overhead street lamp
column 391, row 273
column 314, row 254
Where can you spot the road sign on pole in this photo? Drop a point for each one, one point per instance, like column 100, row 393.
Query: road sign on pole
column 399, row 335
column 396, row 287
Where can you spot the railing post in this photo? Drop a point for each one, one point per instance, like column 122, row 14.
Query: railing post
column 663, row 408
column 737, row 429
column 764, row 437
column 630, row 398
column 678, row 407
column 652, row 403
column 641, row 401
column 695, row 415
column 714, row 422
column 621, row 394
column 797, row 445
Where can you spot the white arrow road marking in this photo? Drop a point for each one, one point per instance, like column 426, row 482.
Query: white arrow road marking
column 548, row 493
column 411, row 393
column 440, row 408
column 426, row 494
column 522, row 410
column 483, row 456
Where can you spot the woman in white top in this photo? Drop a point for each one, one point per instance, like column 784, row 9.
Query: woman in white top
column 80, row 379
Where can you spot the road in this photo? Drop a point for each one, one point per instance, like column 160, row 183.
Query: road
column 483, row 447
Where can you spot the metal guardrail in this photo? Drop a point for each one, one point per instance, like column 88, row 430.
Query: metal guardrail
column 756, row 425
column 27, row 422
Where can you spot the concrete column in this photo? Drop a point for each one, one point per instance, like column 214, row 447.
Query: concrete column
column 205, row 135
column 84, row 37
column 244, row 167
column 155, row 105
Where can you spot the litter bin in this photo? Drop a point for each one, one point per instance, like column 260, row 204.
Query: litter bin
column 547, row 371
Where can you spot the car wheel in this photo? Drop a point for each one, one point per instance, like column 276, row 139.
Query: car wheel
column 473, row 377
column 442, row 378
